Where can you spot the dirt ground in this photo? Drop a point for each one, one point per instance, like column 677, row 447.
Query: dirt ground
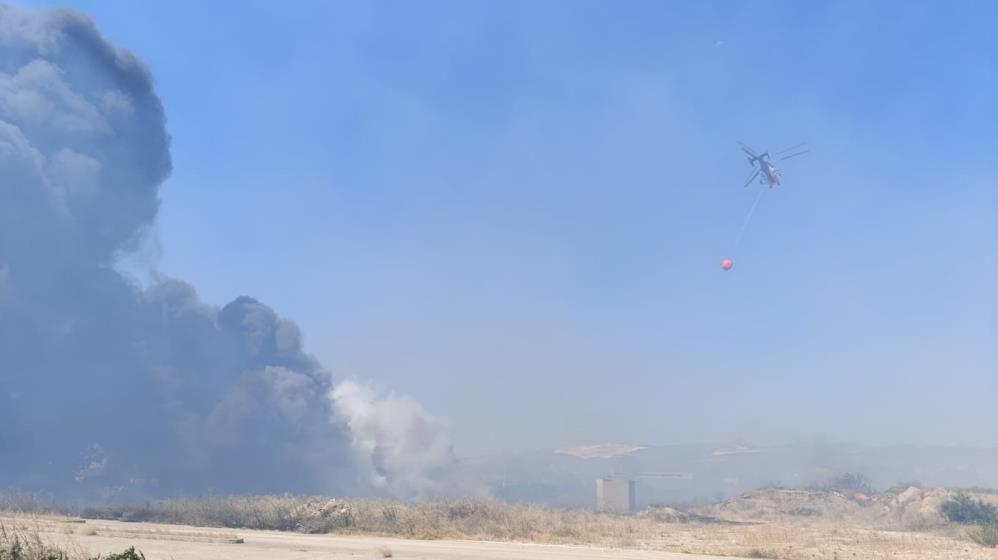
column 170, row 542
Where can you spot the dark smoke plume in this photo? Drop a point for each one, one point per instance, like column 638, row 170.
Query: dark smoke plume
column 104, row 384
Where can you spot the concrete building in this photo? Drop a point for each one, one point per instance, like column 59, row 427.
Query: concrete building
column 614, row 495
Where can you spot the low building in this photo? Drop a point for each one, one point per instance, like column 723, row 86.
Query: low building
column 614, row 495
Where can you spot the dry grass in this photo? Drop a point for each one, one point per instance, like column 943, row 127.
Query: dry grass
column 781, row 524
column 985, row 535
column 484, row 520
column 836, row 531
column 26, row 503
column 20, row 539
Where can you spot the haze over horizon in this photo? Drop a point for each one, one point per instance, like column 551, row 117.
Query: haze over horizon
column 515, row 213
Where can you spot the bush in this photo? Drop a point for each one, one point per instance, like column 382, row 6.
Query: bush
column 966, row 510
column 129, row 554
column 985, row 535
column 849, row 483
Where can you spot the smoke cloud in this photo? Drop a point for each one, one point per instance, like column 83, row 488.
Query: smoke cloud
column 404, row 444
column 104, row 384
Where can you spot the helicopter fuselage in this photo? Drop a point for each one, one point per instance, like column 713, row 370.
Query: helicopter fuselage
column 769, row 174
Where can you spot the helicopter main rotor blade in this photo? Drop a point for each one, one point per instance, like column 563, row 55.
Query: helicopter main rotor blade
column 791, row 148
column 794, row 155
column 752, row 177
column 747, row 150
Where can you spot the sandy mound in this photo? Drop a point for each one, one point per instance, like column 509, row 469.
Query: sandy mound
column 899, row 508
column 774, row 504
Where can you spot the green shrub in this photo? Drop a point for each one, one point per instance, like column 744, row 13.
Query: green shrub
column 18, row 550
column 129, row 554
column 966, row 510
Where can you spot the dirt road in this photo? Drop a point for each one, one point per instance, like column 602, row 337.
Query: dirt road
column 171, row 542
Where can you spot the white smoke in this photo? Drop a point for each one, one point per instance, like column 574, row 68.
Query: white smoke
column 403, row 444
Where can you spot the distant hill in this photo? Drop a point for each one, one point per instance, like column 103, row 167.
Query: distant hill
column 682, row 474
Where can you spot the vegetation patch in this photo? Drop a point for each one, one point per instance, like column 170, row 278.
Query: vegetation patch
column 966, row 510
column 24, row 545
column 985, row 535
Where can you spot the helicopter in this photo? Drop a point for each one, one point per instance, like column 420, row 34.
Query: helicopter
column 767, row 173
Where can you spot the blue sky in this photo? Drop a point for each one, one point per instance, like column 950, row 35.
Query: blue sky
column 515, row 211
